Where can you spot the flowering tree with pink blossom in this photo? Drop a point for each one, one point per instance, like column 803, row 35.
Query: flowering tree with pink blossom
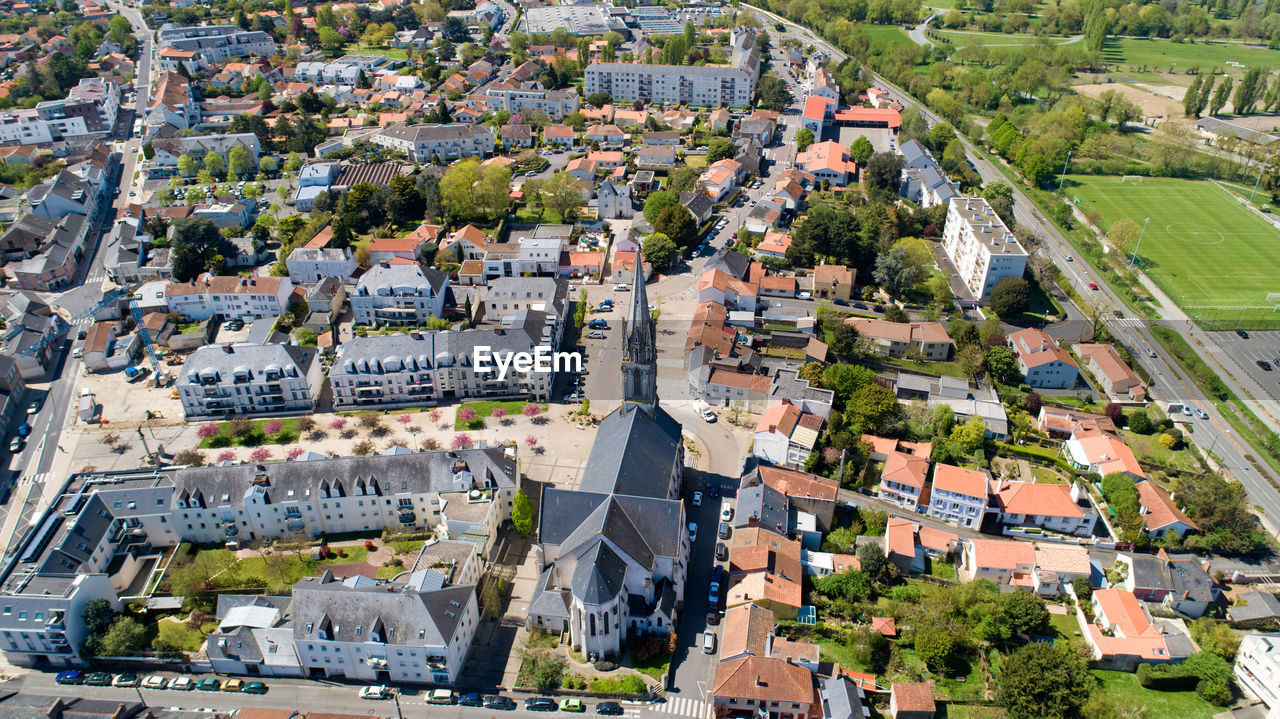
column 273, row 427
column 296, row 452
column 498, row 412
column 338, row 424
column 467, row 414
column 461, row 441
column 227, row 456
column 208, row 430
column 531, row 441
column 260, row 454
column 404, row 419
column 531, row 410
column 434, row 415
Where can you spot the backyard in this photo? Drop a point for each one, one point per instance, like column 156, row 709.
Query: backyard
column 1182, row 705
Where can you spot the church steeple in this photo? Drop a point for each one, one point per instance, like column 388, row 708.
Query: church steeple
column 639, row 352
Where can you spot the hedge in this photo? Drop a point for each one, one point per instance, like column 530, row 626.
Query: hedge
column 1167, row 677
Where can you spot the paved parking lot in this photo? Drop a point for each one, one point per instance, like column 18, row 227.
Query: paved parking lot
column 1261, row 346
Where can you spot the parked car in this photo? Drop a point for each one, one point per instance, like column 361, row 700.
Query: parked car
column 539, row 704
column 182, row 684
column 98, row 679
column 208, row 684
column 254, row 688
column 609, row 709
column 497, row 701
column 155, row 681
column 708, row 642
column 471, row 700
column 697, row 499
column 713, row 594
column 33, row 408
column 722, row 552
column 693, row 532
column 440, row 696
column 24, row 429
column 725, row 531
column 15, row 445
column 620, row 288
column 572, row 704
column 596, row 335
column 375, row 692
column 707, row 415
column 1263, row 365
column 233, row 685
column 1242, row 334
column 125, row 680
column 597, row 324
column 70, row 676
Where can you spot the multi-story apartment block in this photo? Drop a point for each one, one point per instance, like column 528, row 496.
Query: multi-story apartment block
column 343, row 71
column 958, row 495
column 168, row 150
column 104, row 536
column 422, row 142
column 531, row 97
column 701, row 85
column 245, row 379
column 983, row 249
column 311, row 264
column 399, row 295
column 509, row 295
column 1257, row 668
column 428, row 368
column 90, row 108
column 209, row 45
column 233, row 297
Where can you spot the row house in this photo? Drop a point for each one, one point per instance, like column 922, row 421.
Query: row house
column 1043, row 568
column 245, row 379
column 231, row 296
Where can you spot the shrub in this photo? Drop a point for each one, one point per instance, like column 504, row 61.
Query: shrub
column 1140, row 422
column 1167, row 441
column 605, row 666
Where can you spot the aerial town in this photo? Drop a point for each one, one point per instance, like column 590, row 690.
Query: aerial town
column 819, row 359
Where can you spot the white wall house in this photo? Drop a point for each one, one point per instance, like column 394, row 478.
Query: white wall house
column 231, row 296
column 399, row 295
column 1257, row 668
column 230, row 380
column 309, row 264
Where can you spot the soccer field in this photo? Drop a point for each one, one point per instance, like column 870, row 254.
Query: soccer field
column 1213, row 256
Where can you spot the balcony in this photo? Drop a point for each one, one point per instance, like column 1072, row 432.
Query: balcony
column 407, row 516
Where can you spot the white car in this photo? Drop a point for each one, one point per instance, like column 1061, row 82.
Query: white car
column 620, row 288
column 726, row 511
column 707, row 415
column 155, row 681
column 182, row 684
column 693, row 532
column 375, row 692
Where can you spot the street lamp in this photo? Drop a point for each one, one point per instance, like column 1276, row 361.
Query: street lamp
column 1135, row 247
column 1216, row 437
column 1064, row 170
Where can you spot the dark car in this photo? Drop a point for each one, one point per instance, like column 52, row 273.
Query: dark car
column 98, row 679
column 24, row 429
column 1242, row 334
column 539, row 704
column 597, row 325
column 81, row 335
column 71, row 676
column 724, row 530
column 713, row 490
column 471, row 700
column 722, row 552
column 1263, row 365
column 254, row 688
column 609, row 709
column 717, row 573
column 497, row 701
column 842, row 303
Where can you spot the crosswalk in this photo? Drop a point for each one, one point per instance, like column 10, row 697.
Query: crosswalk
column 1128, row 322
column 39, row 478
column 685, row 707
column 96, row 277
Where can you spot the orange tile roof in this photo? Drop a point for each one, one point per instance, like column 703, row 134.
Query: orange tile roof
column 746, row 630
column 884, row 625
column 764, row 679
column 795, row 483
column 1034, row 499
column 606, row 156
column 969, row 482
column 828, row 155
column 815, row 108
column 394, row 244
column 900, row 537
column 913, row 697
column 905, row 469
column 1064, row 558
column 1161, row 511
column 225, row 285
column 930, row 332
column 1067, row 420
column 795, row 651
column 586, row 259
column 764, row 586
column 721, row 280
column 742, row 380
column 777, row 283
column 1036, row 348
column 1109, row 453
column 1123, row 611
column 780, row 418
column 1108, row 360
column 938, row 540
column 777, row 242
column 1003, row 554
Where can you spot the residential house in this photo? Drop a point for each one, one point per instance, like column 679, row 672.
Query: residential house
column 929, row 340
column 307, row 265
column 624, row 268
column 614, row 200
column 698, row 205
column 912, row 700
column 607, row 136
column 1056, row 507
column 1101, row 453
column 828, row 161
column 768, row 687
column 832, row 282
column 964, row 400
column 1041, row 361
column 785, row 435
column 1179, row 581
column 923, row 181
column 1160, row 515
column 232, row 296
column 468, row 243
column 806, row 493
column 423, row 142
column 958, row 495
column 515, row 135
column 904, row 480
column 230, row 380
column 559, row 135
column 1061, row 423
column 719, row 181
column 661, row 157
column 1257, row 668
column 765, row 569
column 818, row 112
column 1123, row 635
column 104, row 351
column 399, row 295
column 774, row 244
column 1116, row 378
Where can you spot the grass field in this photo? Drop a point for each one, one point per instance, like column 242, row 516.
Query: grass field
column 1184, row 55
column 881, row 35
column 960, row 38
column 1183, row 705
column 1203, row 248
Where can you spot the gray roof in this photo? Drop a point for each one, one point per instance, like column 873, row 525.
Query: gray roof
column 428, row 350
column 432, row 133
column 696, row 202
column 402, row 615
column 641, row 527
column 1257, row 605
column 292, row 360
column 599, row 575
column 633, row 453
column 842, row 699
column 547, row 600
column 729, row 262
column 915, row 154
column 1182, row 576
column 767, row 506
column 389, row 275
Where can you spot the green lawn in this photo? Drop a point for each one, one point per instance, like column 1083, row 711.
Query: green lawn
column 1183, row 705
column 256, row 436
column 834, row 650
column 1064, row 625
column 960, row 38
column 177, row 634
column 282, row 570
column 1195, row 225
column 1184, row 55
column 695, row 160
column 883, row 35
column 1148, row 447
column 950, row 369
column 486, row 408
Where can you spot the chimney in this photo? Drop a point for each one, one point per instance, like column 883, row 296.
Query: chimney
column 768, row 644
column 760, row 681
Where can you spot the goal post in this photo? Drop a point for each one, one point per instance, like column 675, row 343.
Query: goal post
column 1135, row 178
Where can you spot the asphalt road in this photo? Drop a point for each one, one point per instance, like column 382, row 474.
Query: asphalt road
column 1170, row 383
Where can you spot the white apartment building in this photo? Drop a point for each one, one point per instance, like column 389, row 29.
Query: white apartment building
column 343, row 71
column 429, row 368
column 958, row 495
column 422, row 142
column 983, row 250
column 399, row 295
column 311, row 264
column 704, row 86
column 233, row 380
column 90, row 108
column 532, row 97
column 211, row 44
column 231, row 296
column 1257, row 669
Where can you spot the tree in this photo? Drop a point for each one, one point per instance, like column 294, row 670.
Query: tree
column 861, row 150
column 942, row 419
column 896, row 271
column 999, row 195
column 844, row 341
column 720, row 148
column 804, row 138
column 214, row 163
column 125, row 638
column 1025, row 612
column 660, row 251
column 873, row 562
column 971, row 359
column 1043, row 681
column 293, row 163
column 656, row 202
column 1010, row 296
column 1221, row 95
column 964, row 333
column 194, row 244
column 884, row 171
column 875, row 409
column 1217, row 637
column 599, row 99
column 1122, row 233
column 562, row 194
column 1190, row 99
column 934, row 647
column 454, row 30
column 522, row 514
column 684, row 179
column 457, row 189
column 187, row 166
column 1247, row 91
column 772, row 92
column 268, row 164
column 1001, row 364
column 98, row 616
column 677, row 223
column 970, row 434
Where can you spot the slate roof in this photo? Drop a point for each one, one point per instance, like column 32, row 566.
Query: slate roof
column 599, row 574
column 407, row 616
column 632, row 453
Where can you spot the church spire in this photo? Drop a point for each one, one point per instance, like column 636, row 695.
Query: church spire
column 639, row 352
